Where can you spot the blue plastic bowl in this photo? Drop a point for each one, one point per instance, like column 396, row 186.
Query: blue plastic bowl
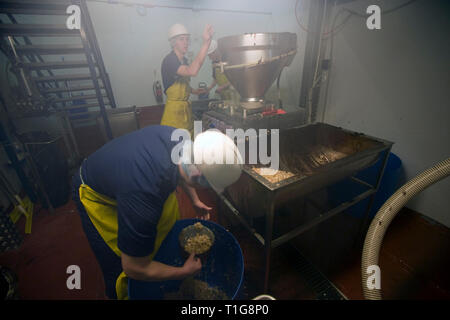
column 223, row 268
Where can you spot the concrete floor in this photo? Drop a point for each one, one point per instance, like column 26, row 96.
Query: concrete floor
column 414, row 259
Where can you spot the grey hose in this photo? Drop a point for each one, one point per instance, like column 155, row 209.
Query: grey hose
column 387, row 213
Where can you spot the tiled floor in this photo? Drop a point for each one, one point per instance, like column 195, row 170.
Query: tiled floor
column 414, row 260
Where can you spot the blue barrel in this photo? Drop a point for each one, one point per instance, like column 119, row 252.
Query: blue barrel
column 223, row 268
column 392, row 180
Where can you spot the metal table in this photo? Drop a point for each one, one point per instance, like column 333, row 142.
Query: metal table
column 254, row 196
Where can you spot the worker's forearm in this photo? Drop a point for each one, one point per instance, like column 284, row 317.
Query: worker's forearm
column 198, row 91
column 213, row 84
column 156, row 271
column 199, row 59
column 192, row 193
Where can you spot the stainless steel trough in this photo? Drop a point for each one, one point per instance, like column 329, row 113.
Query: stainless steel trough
column 314, row 156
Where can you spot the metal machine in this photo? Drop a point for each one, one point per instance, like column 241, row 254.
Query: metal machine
column 311, row 156
column 251, row 63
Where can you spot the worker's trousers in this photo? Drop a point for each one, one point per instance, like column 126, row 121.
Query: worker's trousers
column 109, row 262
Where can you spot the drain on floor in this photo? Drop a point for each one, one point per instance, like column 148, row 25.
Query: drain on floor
column 315, row 280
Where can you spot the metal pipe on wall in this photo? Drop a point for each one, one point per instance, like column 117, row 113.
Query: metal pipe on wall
column 315, row 21
column 151, row 6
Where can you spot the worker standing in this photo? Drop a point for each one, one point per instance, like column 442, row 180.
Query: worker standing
column 125, row 197
column 224, row 88
column 176, row 73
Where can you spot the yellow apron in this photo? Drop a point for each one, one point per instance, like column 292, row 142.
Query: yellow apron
column 221, row 80
column 177, row 111
column 102, row 211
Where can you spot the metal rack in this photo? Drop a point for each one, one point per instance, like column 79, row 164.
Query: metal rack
column 42, row 77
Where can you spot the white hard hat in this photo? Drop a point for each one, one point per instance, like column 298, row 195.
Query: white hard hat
column 217, row 158
column 212, row 46
column 176, row 30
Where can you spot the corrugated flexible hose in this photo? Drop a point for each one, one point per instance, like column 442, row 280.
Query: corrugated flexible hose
column 383, row 219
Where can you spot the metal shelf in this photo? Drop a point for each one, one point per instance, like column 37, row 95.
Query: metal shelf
column 55, row 65
column 50, row 49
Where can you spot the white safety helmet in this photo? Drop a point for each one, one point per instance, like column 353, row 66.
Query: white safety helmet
column 176, row 30
column 217, row 158
column 212, row 46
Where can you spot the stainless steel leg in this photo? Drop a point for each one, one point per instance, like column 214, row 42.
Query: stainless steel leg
column 268, row 243
column 365, row 221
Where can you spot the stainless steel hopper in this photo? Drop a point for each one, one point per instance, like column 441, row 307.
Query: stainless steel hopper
column 253, row 61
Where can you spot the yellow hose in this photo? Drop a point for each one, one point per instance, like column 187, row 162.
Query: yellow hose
column 386, row 214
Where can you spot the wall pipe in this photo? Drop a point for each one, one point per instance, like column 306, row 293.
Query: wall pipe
column 150, row 6
column 387, row 213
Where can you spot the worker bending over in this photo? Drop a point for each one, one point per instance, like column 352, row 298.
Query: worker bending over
column 125, row 196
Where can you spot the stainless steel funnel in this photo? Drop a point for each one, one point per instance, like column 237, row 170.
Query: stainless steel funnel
column 253, row 61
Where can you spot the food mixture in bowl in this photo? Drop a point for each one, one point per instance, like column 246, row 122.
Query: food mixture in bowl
column 193, row 289
column 196, row 239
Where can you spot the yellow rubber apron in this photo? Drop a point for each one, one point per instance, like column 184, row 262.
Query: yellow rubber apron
column 221, row 80
column 177, row 111
column 102, row 211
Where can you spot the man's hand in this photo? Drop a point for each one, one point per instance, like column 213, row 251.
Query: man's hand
column 192, row 266
column 202, row 210
column 193, row 69
column 199, row 91
column 145, row 269
column 208, row 33
column 213, row 84
column 221, row 88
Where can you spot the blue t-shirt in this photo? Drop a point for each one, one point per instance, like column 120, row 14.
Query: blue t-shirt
column 169, row 68
column 137, row 171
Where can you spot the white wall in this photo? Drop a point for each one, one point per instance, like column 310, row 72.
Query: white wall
column 133, row 46
column 393, row 83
